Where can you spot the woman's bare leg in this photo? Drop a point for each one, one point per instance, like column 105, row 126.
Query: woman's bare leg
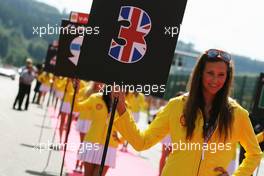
column 78, row 161
column 96, row 170
column 88, row 169
column 62, row 121
column 162, row 159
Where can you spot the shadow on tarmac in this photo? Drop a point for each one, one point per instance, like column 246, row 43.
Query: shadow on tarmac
column 29, row 146
column 44, row 173
column 45, row 127
column 54, row 147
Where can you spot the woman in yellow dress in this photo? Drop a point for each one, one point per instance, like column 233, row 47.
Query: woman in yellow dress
column 97, row 109
column 204, row 124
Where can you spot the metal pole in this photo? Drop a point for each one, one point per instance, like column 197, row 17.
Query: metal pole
column 109, row 130
column 54, row 134
column 68, row 129
column 45, row 115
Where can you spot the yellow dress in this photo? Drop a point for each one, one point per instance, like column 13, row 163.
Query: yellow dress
column 94, row 109
column 59, row 84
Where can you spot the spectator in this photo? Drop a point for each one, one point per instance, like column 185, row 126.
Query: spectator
column 26, row 77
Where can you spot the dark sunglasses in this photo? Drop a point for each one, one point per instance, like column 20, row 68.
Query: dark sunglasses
column 214, row 53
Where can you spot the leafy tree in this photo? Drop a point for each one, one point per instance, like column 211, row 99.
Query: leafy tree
column 3, row 44
column 17, row 19
column 38, row 49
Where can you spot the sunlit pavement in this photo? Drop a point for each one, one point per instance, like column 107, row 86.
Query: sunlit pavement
column 19, row 134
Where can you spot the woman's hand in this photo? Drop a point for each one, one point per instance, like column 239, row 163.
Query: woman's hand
column 221, row 169
column 76, row 83
column 115, row 136
column 121, row 105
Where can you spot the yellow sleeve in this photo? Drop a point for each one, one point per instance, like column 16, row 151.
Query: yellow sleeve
column 142, row 102
column 260, row 137
column 155, row 132
column 82, row 94
column 248, row 140
column 86, row 108
column 83, row 84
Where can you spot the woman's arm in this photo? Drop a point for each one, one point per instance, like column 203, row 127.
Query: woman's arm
column 142, row 140
column 248, row 140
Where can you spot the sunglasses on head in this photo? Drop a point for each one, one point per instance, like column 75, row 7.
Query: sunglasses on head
column 214, row 53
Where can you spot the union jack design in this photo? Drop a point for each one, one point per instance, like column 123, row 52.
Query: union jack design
column 134, row 35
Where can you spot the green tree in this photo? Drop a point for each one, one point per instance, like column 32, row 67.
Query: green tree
column 3, row 44
column 37, row 49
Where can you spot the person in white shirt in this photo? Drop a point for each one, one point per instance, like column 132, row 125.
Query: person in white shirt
column 26, row 77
